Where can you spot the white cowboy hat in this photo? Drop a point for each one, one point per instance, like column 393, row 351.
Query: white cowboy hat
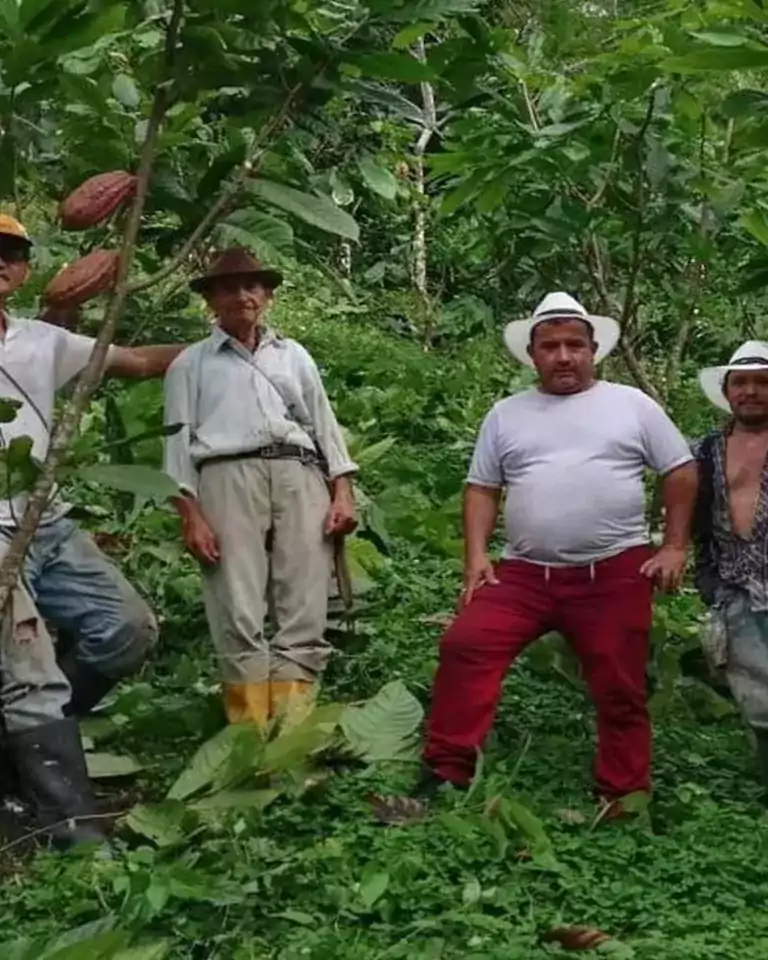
column 752, row 355
column 560, row 306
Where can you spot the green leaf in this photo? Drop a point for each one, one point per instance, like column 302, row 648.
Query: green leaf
column 379, row 179
column 9, row 409
column 386, row 727
column 401, row 67
column 744, row 103
column 138, row 479
column 341, row 191
column 162, row 823
column 270, row 235
column 374, row 451
column 518, row 815
column 410, row 34
column 211, row 759
column 718, row 59
column 408, row 11
column 235, row 800
column 373, row 888
column 718, row 39
column 102, row 766
column 291, row 749
column 391, row 99
column 125, row 91
column 320, row 212
column 755, row 223
column 157, row 950
column 657, row 163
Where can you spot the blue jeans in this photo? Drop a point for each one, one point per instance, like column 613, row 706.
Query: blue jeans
column 69, row 583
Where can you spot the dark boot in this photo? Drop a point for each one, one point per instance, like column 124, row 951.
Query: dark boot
column 761, row 738
column 89, row 687
column 9, row 778
column 54, row 781
column 430, row 785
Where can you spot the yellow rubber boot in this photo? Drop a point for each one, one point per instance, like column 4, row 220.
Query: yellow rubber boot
column 291, row 701
column 247, row 703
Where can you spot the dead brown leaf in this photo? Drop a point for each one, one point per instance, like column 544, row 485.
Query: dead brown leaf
column 576, row 937
column 396, row 811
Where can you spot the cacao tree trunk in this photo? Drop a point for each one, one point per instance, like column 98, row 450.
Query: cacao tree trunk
column 419, row 266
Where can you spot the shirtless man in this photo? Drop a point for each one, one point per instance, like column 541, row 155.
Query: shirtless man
column 731, row 530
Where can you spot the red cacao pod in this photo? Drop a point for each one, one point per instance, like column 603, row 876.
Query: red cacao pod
column 96, row 199
column 82, row 280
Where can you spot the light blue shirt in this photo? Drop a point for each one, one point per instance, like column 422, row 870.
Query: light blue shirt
column 232, row 401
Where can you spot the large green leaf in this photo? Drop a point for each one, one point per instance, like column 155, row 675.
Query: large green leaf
column 718, row 58
column 235, row 800
column 102, row 766
column 409, row 11
column 401, row 67
column 391, row 99
column 157, row 950
column 320, row 212
column 756, row 224
column 162, row 823
column 211, row 759
column 125, row 91
column 386, row 727
column 378, row 178
column 519, row 816
column 99, row 940
column 291, row 749
column 139, row 479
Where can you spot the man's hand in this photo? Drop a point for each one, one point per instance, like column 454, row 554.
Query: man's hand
column 201, row 540
column 666, row 568
column 198, row 534
column 341, row 516
column 478, row 572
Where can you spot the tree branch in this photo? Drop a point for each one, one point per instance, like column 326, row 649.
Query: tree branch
column 91, row 375
column 696, row 276
column 246, row 171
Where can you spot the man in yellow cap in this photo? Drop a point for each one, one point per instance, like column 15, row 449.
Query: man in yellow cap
column 67, row 581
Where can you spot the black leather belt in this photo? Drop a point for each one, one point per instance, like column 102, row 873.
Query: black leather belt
column 273, row 451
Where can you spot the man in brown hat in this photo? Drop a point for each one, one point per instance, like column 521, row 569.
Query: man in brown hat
column 67, row 581
column 266, row 477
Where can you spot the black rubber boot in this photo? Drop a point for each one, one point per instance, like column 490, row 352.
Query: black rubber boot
column 54, row 781
column 430, row 785
column 89, row 687
column 9, row 778
column 761, row 739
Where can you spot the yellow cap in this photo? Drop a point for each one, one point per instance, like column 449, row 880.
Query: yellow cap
column 10, row 227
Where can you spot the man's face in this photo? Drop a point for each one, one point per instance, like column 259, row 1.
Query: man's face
column 563, row 353
column 238, row 302
column 747, row 393
column 14, row 265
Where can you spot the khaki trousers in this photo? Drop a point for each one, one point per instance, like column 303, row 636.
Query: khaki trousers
column 243, row 501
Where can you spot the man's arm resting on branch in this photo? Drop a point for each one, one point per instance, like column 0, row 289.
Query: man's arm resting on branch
column 481, row 511
column 141, row 363
column 678, row 490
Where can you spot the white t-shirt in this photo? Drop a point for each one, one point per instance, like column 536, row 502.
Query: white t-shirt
column 573, row 469
column 36, row 359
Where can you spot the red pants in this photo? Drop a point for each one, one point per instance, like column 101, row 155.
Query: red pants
column 604, row 611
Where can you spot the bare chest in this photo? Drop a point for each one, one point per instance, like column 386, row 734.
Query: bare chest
column 745, row 464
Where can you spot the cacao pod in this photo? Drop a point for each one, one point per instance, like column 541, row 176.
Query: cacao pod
column 66, row 316
column 96, row 199
column 82, row 280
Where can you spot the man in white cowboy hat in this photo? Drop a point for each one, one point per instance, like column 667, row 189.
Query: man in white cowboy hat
column 570, row 454
column 731, row 531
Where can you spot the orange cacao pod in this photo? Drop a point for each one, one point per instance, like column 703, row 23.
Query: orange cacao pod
column 96, row 199
column 82, row 280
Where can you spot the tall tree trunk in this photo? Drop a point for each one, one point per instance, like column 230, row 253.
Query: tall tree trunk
column 420, row 207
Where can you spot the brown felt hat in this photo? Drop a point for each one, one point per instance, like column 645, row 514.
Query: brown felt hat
column 237, row 262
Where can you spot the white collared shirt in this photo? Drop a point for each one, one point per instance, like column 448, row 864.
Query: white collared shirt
column 231, row 401
column 36, row 360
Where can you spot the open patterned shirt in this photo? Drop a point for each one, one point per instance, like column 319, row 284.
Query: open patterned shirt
column 724, row 559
